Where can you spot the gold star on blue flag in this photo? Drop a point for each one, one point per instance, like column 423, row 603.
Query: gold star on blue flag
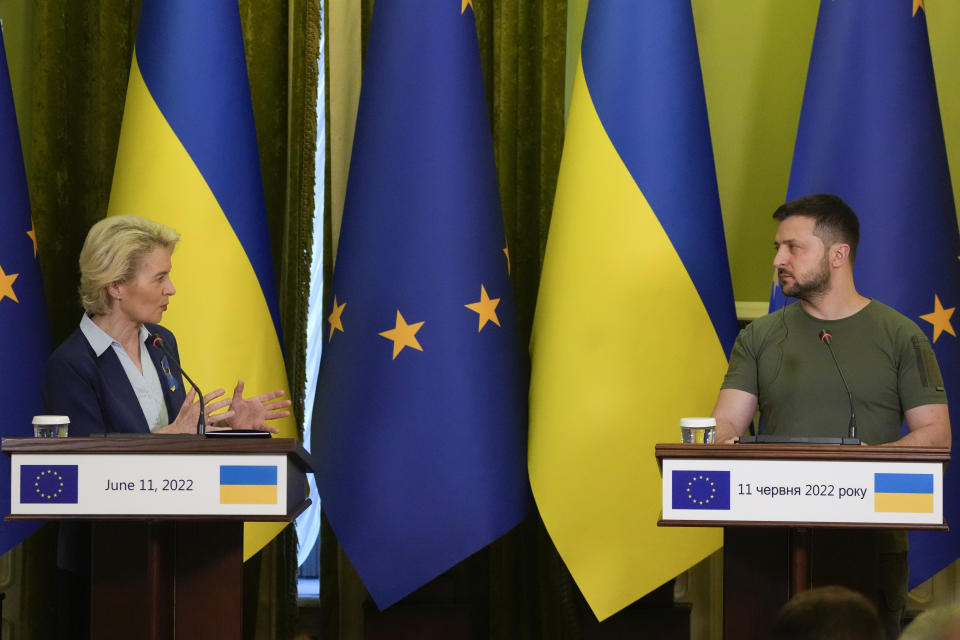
column 24, row 337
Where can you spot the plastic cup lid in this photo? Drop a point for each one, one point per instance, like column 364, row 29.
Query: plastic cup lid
column 47, row 420
column 698, row 423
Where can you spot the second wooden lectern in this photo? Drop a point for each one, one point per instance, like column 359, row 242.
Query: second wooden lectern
column 796, row 515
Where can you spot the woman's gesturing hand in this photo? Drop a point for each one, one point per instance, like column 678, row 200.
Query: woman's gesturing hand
column 189, row 414
column 253, row 413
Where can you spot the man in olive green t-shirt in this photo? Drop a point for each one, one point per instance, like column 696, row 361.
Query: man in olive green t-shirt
column 887, row 361
column 779, row 366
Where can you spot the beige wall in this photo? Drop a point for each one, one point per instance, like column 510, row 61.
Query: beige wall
column 943, row 18
column 754, row 56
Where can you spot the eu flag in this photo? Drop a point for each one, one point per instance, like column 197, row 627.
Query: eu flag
column 49, row 483
column 420, row 412
column 701, row 490
column 24, row 339
column 870, row 132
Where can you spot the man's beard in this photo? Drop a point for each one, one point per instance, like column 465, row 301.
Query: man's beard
column 815, row 287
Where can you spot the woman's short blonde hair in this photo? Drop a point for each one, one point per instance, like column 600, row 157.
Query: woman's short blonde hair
column 113, row 252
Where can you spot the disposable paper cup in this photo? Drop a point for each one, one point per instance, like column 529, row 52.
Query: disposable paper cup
column 50, row 426
column 697, row 430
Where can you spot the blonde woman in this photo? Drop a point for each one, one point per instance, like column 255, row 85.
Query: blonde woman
column 107, row 376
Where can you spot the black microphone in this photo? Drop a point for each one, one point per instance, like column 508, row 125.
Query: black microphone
column 827, row 339
column 157, row 341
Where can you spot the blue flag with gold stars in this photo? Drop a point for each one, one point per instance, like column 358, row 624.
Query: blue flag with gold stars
column 870, row 132
column 49, row 483
column 24, row 338
column 701, row 490
column 420, row 416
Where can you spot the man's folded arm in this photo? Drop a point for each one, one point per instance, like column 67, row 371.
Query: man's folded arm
column 733, row 412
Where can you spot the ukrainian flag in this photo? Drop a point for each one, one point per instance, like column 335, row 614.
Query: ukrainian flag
column 903, row 492
column 635, row 313
column 188, row 158
column 248, row 484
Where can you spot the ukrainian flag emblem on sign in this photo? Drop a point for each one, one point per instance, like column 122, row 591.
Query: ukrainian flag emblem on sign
column 903, row 492
column 248, row 484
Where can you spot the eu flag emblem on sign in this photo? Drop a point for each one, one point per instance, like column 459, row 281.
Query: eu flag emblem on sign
column 48, row 483
column 701, row 490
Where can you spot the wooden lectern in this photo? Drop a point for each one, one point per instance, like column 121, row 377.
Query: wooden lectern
column 166, row 516
column 797, row 515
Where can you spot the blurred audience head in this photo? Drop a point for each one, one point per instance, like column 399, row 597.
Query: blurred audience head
column 828, row 613
column 940, row 623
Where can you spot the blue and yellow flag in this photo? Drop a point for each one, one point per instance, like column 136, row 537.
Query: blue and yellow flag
column 903, row 492
column 188, row 158
column 635, row 313
column 248, row 484
column 420, row 414
column 24, row 337
column 870, row 132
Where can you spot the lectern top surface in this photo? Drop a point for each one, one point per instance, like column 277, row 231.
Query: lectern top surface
column 802, row 452
column 154, row 443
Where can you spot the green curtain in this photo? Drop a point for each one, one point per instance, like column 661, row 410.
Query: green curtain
column 523, row 49
column 79, row 83
column 79, row 61
column 518, row 587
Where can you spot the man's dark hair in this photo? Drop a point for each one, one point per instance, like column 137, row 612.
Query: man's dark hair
column 835, row 220
column 828, row 613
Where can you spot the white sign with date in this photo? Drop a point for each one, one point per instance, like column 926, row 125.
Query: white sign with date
column 148, row 484
column 816, row 491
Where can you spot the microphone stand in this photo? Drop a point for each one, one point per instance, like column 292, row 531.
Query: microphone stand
column 827, row 339
column 157, row 341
